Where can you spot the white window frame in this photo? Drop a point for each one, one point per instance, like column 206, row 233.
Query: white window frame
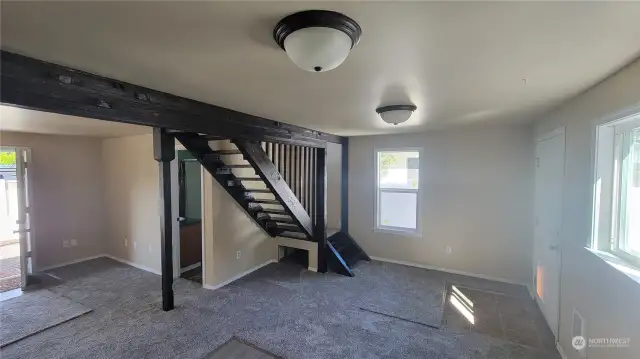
column 417, row 232
column 607, row 187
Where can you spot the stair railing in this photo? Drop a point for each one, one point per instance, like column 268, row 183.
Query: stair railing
column 297, row 166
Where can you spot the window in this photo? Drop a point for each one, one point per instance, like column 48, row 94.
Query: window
column 616, row 226
column 397, row 186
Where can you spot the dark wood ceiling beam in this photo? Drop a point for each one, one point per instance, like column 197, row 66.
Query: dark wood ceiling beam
column 38, row 85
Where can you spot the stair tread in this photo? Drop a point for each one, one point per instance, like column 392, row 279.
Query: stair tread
column 289, row 227
column 265, row 201
column 237, row 166
column 249, row 179
column 293, row 235
column 274, row 211
column 227, row 152
column 258, row 190
column 282, row 219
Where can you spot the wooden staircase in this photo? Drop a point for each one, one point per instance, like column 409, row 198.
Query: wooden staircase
column 273, row 184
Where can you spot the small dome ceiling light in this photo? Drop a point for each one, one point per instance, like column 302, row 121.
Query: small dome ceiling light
column 396, row 114
column 317, row 40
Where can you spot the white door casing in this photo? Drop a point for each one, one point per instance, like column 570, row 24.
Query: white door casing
column 549, row 177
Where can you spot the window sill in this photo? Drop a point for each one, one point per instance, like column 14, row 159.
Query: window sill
column 398, row 232
column 619, row 264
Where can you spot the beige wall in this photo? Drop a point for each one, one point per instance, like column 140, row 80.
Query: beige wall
column 606, row 298
column 476, row 186
column 132, row 200
column 131, row 190
column 228, row 229
column 67, row 195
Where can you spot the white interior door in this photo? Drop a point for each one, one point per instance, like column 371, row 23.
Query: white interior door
column 24, row 214
column 549, row 177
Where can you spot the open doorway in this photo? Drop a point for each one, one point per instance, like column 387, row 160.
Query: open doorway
column 190, row 216
column 294, row 256
column 15, row 219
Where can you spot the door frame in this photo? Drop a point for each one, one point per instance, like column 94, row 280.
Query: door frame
column 175, row 211
column 560, row 131
column 32, row 230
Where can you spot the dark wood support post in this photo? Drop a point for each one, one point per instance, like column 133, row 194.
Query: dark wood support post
column 344, row 188
column 164, row 152
column 320, row 229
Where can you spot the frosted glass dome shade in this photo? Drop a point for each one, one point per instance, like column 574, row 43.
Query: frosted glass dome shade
column 396, row 114
column 317, row 49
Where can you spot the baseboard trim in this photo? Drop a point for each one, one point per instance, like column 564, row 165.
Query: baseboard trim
column 188, row 268
column 452, row 271
column 218, row 286
column 561, row 351
column 136, row 265
column 64, row 264
column 531, row 292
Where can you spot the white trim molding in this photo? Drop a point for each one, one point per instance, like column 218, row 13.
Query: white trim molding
column 235, row 278
column 64, row 264
column 104, row 255
column 452, row 271
column 188, row 268
column 136, row 265
column 561, row 351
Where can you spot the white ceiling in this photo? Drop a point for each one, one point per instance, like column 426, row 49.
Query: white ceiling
column 458, row 62
column 20, row 120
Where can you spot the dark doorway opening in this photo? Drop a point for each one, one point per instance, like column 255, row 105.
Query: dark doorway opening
column 295, row 256
column 190, row 216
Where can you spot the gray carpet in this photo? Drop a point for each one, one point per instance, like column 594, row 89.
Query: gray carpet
column 34, row 312
column 404, row 292
column 282, row 309
column 236, row 349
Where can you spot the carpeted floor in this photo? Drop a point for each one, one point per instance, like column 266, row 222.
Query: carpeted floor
column 282, row 309
column 34, row 312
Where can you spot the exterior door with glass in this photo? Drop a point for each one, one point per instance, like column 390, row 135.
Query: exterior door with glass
column 24, row 221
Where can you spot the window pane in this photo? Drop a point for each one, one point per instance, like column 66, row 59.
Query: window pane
column 398, row 209
column 630, row 194
column 398, row 169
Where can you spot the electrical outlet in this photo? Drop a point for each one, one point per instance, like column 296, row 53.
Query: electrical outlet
column 65, row 244
column 149, row 248
column 448, row 249
column 74, row 242
column 126, row 242
column 135, row 244
column 238, row 254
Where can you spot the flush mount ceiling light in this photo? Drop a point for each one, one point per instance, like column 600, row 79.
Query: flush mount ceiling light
column 317, row 40
column 396, row 114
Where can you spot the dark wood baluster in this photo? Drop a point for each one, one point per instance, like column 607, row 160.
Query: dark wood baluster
column 283, row 167
column 296, row 158
column 301, row 175
column 305, row 181
column 290, row 168
column 274, row 155
column 320, row 228
column 309, row 179
column 313, row 185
